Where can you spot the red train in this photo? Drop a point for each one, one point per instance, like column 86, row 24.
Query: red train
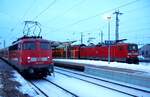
column 121, row 52
column 30, row 55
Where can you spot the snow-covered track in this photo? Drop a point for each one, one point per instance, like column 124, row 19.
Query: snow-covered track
column 39, row 85
column 73, row 95
column 39, row 89
column 82, row 77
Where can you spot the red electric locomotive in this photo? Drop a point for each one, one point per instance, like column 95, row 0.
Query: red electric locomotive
column 30, row 55
column 121, row 52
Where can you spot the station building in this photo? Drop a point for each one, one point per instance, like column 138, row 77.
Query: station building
column 144, row 51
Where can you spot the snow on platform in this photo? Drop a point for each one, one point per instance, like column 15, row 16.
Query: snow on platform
column 12, row 84
column 138, row 67
column 128, row 73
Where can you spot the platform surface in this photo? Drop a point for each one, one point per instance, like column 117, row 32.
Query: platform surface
column 128, row 73
column 12, row 84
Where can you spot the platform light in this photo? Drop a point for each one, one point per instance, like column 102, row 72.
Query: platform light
column 108, row 18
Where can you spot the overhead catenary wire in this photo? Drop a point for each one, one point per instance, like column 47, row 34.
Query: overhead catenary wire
column 134, row 11
column 98, row 29
column 6, row 14
column 133, row 30
column 139, row 34
column 67, row 11
column 116, row 7
column 137, row 29
column 138, row 8
column 134, row 22
column 90, row 17
column 30, row 7
column 20, row 20
column 44, row 10
column 36, row 15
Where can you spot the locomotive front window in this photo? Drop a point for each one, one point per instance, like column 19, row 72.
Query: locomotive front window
column 132, row 47
column 29, row 46
column 45, row 45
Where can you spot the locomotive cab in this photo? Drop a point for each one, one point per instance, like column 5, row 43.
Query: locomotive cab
column 132, row 54
column 32, row 56
column 36, row 57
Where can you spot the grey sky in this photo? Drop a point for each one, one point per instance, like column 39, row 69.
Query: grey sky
column 64, row 20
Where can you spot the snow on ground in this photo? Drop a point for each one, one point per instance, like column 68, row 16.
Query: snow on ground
column 114, row 86
column 50, row 89
column 26, row 88
column 145, row 64
column 140, row 67
column 82, row 88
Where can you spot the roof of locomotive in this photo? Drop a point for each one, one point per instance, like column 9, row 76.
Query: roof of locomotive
column 30, row 38
column 103, row 44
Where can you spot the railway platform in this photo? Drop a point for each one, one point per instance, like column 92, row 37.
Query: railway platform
column 12, row 84
column 127, row 73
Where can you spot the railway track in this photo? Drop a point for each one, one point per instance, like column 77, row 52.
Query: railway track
column 56, row 85
column 135, row 92
column 38, row 89
column 47, row 85
column 73, row 95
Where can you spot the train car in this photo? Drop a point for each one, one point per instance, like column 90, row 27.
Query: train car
column 120, row 52
column 31, row 56
column 59, row 53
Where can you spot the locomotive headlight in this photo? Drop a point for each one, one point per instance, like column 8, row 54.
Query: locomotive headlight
column 48, row 57
column 28, row 58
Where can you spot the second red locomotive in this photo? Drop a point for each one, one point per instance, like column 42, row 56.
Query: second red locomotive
column 121, row 52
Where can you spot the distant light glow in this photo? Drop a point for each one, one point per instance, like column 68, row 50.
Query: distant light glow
column 107, row 16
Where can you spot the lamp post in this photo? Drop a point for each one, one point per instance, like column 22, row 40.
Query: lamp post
column 108, row 18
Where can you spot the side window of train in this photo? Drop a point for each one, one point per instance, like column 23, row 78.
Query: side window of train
column 29, row 46
column 120, row 48
column 45, row 45
column 13, row 47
